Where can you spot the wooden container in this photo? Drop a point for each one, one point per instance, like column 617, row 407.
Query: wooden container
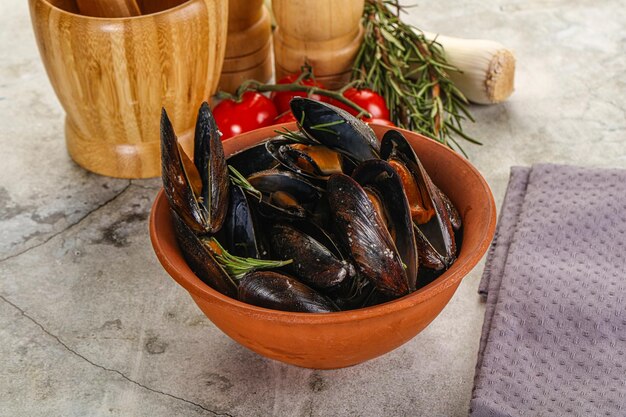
column 327, row 37
column 248, row 46
column 113, row 76
column 335, row 340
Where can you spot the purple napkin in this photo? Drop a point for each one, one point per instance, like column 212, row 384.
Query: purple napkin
column 554, row 337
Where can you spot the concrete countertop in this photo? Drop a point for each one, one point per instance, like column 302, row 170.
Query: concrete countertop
column 90, row 324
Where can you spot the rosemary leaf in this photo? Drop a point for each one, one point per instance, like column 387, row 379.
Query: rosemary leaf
column 237, row 266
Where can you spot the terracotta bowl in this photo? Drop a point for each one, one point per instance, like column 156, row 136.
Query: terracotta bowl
column 336, row 340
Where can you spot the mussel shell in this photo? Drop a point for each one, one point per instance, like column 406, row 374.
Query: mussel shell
column 438, row 232
column 211, row 164
column 305, row 194
column 335, row 128
column 453, row 213
column 313, row 263
column 201, row 260
column 252, row 159
column 394, row 143
column 281, row 292
column 286, row 155
column 176, row 183
column 428, row 256
column 241, row 232
column 385, row 181
column 360, row 229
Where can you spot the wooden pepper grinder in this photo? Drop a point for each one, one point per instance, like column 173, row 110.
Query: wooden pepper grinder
column 326, row 34
column 248, row 45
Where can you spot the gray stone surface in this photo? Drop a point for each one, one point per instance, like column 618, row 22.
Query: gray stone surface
column 91, row 325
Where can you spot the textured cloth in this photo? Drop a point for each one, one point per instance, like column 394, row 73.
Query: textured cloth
column 554, row 337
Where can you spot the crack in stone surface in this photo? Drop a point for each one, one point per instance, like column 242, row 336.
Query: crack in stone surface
column 104, row 368
column 69, row 226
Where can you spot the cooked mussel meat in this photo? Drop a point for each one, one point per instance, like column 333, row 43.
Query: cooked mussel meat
column 311, row 160
column 281, row 292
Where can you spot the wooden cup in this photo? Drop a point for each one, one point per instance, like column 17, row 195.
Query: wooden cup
column 113, row 76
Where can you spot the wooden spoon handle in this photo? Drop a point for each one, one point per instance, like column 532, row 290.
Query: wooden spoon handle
column 109, row 8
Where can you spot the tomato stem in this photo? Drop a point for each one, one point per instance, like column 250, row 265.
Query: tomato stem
column 253, row 85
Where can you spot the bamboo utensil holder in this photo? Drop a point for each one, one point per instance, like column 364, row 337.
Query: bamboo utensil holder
column 113, row 76
column 248, row 46
column 327, row 36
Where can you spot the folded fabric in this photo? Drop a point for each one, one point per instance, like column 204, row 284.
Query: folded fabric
column 554, row 337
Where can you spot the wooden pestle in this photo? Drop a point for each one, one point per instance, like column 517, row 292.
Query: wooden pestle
column 108, row 8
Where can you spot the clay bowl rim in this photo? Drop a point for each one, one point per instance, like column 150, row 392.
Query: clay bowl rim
column 196, row 287
column 115, row 19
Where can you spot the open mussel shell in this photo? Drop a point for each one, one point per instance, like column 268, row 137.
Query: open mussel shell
column 335, row 128
column 253, row 159
column 241, row 231
column 201, row 260
column 198, row 190
column 453, row 213
column 379, row 178
column 310, row 160
column 361, row 230
column 435, row 233
column 316, row 262
column 285, row 193
column 270, row 289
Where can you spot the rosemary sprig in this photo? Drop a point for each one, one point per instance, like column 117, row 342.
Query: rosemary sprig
column 294, row 135
column 398, row 62
column 238, row 179
column 237, row 266
column 325, row 127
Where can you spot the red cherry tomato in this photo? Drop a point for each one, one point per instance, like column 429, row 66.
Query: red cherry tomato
column 282, row 98
column 383, row 122
column 284, row 118
column 253, row 111
column 369, row 100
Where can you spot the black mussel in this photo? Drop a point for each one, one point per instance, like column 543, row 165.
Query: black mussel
column 198, row 190
column 383, row 186
column 335, row 128
column 453, row 213
column 435, row 235
column 253, row 159
column 316, row 260
column 201, row 260
column 429, row 257
column 285, row 193
column 241, row 231
column 362, row 231
column 281, row 292
column 311, row 160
